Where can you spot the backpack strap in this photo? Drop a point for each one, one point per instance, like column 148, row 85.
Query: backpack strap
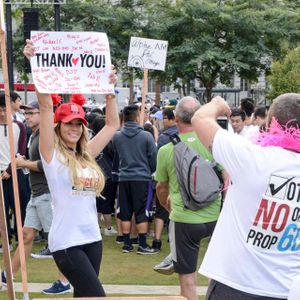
column 218, row 173
column 175, row 139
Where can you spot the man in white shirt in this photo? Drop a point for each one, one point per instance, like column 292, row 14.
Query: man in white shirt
column 254, row 253
column 237, row 120
column 16, row 103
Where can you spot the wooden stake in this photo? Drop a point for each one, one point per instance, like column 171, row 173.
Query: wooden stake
column 144, row 93
column 5, row 247
column 12, row 154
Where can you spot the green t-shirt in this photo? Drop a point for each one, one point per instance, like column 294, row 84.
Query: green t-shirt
column 166, row 172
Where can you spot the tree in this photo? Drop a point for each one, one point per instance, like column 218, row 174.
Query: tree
column 154, row 13
column 285, row 75
column 208, row 40
column 126, row 23
column 212, row 40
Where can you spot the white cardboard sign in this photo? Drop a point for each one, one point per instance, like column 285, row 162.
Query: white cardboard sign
column 147, row 53
column 71, row 62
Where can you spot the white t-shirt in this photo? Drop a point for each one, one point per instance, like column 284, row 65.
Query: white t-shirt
column 249, row 132
column 5, row 158
column 75, row 219
column 295, row 289
column 255, row 247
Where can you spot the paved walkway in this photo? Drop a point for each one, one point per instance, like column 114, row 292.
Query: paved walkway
column 120, row 289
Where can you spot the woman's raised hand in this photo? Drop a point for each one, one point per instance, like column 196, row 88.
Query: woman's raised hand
column 113, row 75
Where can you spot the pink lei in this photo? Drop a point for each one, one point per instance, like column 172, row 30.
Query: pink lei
column 279, row 136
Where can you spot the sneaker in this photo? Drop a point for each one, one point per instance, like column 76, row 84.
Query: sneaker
column 38, row 238
column 120, row 239
column 166, row 267
column 146, row 250
column 3, row 279
column 110, row 231
column 127, row 248
column 156, row 244
column 11, row 248
column 44, row 253
column 135, row 241
column 57, row 288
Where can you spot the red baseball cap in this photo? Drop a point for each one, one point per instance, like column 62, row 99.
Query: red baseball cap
column 68, row 112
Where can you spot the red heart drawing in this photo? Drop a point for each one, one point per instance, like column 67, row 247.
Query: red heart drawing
column 75, row 60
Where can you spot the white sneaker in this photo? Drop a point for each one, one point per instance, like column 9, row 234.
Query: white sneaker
column 44, row 253
column 166, row 267
column 110, row 232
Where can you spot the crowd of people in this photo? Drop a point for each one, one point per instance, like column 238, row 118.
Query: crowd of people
column 87, row 168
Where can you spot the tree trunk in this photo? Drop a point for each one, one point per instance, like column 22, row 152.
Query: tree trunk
column 179, row 90
column 188, row 88
column 208, row 94
column 157, row 90
column 183, row 90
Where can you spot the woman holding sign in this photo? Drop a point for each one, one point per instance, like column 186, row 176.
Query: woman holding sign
column 74, row 179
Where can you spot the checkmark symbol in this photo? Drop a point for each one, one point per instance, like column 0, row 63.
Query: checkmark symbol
column 274, row 190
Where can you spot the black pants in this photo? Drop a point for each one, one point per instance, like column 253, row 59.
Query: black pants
column 24, row 196
column 107, row 206
column 81, row 266
column 219, row 291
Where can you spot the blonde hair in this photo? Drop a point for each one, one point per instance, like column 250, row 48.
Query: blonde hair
column 83, row 159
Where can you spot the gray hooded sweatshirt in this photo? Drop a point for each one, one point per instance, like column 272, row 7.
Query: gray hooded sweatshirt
column 137, row 152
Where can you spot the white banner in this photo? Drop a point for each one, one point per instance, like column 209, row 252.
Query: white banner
column 147, row 53
column 71, row 62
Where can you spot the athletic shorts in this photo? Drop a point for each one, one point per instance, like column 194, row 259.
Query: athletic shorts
column 185, row 243
column 135, row 197
column 106, row 206
column 220, row 291
column 39, row 213
column 161, row 212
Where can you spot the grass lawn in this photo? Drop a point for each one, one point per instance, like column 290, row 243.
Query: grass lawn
column 116, row 267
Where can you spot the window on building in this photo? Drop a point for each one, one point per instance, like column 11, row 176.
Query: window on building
column 125, row 84
column 151, row 85
column 244, row 86
column 165, row 88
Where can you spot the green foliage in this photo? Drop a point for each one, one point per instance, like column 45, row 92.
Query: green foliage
column 285, row 75
column 212, row 40
column 208, row 40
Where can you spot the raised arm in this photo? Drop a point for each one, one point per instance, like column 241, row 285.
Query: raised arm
column 46, row 126
column 204, row 120
column 46, row 115
column 112, row 124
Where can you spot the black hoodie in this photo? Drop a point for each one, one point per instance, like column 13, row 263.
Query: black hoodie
column 137, row 153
